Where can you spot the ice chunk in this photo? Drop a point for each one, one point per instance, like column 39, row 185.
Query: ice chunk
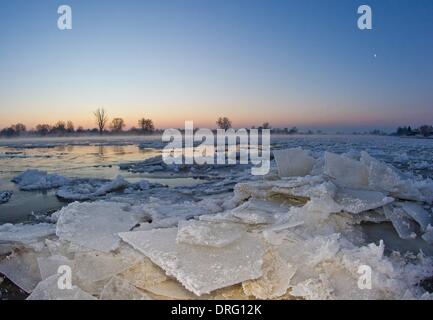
column 208, row 234
column 293, row 162
column 95, row 225
column 119, row 289
column 21, row 268
column 356, row 201
column 117, row 184
column 39, row 180
column 419, row 214
column 428, row 235
column 258, row 211
column 346, row 172
column 200, row 269
column 25, row 233
column 5, row 196
column 383, row 177
column 48, row 289
column 405, row 227
column 275, row 280
column 88, row 189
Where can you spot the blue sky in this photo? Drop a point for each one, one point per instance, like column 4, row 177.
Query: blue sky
column 302, row 62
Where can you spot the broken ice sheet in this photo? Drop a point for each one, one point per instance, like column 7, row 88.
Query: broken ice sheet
column 95, row 225
column 39, row 180
column 293, row 162
column 419, row 214
column 21, row 267
column 346, row 172
column 357, row 201
column 48, row 289
column 428, row 235
column 25, row 233
column 383, row 177
column 259, row 211
column 210, row 234
column 200, row 269
column 88, row 189
column 405, row 227
column 119, row 289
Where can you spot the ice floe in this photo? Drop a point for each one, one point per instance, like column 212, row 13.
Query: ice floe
column 5, row 196
column 201, row 269
column 95, row 225
column 39, row 180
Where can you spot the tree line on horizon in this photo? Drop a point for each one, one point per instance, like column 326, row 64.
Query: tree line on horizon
column 64, row 128
column 115, row 126
column 424, row 130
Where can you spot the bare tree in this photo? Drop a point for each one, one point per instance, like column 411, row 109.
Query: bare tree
column 43, row 129
column 19, row 128
column 266, row 125
column 146, row 125
column 117, row 125
column 101, row 118
column 70, row 127
column 224, row 123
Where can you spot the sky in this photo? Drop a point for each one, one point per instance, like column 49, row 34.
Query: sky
column 298, row 63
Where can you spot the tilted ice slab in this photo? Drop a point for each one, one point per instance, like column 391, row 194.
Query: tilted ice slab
column 25, row 233
column 345, row 171
column 80, row 189
column 357, row 201
column 48, row 289
column 95, row 225
column 200, row 269
column 210, row 234
column 419, row 214
column 428, row 235
column 182, row 210
column 21, row 268
column 294, row 162
column 39, row 180
column 382, row 177
column 405, row 227
column 5, row 196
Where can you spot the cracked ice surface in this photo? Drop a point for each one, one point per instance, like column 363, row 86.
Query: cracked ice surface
column 200, row 269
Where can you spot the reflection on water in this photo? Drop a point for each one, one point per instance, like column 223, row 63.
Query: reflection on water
column 72, row 161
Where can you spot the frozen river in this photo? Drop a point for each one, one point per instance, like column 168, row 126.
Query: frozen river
column 97, row 157
column 356, row 200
